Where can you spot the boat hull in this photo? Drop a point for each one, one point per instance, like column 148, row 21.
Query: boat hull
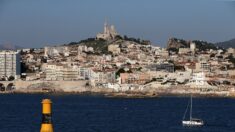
column 192, row 123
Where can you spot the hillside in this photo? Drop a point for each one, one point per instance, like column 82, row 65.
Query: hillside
column 9, row 47
column 175, row 44
column 101, row 46
column 227, row 44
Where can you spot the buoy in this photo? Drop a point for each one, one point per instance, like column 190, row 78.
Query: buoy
column 46, row 125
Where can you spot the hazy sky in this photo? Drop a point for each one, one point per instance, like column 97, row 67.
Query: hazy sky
column 36, row 23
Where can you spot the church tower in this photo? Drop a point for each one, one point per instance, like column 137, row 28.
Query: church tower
column 105, row 27
column 109, row 32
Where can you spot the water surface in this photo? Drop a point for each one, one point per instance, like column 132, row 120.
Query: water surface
column 78, row 113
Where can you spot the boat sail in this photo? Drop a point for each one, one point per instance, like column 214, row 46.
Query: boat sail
column 192, row 121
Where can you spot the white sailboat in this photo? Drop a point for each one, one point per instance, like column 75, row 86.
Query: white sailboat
column 191, row 121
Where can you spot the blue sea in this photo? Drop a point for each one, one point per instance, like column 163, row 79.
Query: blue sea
column 94, row 113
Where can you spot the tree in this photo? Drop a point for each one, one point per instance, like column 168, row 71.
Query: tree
column 231, row 59
column 118, row 37
column 212, row 55
column 125, row 37
column 173, row 50
column 11, row 78
column 3, row 79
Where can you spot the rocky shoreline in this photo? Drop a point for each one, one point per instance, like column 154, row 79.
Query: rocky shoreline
column 128, row 94
column 148, row 91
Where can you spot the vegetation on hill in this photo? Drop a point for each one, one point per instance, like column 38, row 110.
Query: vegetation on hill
column 175, row 50
column 121, row 70
column 139, row 41
column 231, row 58
column 184, row 43
column 203, row 45
column 174, row 44
column 227, row 44
column 101, row 46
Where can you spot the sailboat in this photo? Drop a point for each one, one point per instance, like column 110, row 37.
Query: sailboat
column 191, row 121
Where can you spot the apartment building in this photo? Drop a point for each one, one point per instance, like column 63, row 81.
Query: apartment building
column 103, row 76
column 9, row 64
column 57, row 72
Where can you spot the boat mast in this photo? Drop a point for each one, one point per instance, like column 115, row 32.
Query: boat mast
column 191, row 108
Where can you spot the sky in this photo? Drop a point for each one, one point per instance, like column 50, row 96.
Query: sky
column 39, row 23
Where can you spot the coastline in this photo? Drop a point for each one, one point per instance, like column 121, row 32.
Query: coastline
column 147, row 91
column 128, row 94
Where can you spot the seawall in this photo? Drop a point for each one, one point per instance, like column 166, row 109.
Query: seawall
column 66, row 86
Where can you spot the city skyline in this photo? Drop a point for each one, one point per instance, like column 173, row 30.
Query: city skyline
column 41, row 23
column 108, row 65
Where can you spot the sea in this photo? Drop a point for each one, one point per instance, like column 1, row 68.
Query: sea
column 96, row 113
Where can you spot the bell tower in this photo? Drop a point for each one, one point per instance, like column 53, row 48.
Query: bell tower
column 105, row 27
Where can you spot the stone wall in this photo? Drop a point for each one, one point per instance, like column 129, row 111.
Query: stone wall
column 67, row 86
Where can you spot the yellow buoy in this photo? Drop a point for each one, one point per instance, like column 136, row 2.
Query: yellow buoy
column 46, row 125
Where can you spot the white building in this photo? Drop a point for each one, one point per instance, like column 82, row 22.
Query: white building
column 61, row 72
column 82, row 48
column 97, row 76
column 193, row 47
column 114, row 48
column 231, row 51
column 199, row 80
column 84, row 73
column 9, row 64
column 184, row 50
column 56, row 51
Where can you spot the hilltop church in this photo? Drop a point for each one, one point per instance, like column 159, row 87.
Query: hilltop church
column 108, row 34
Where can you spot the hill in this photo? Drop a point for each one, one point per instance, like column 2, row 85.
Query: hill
column 9, row 47
column 100, row 46
column 175, row 44
column 227, row 44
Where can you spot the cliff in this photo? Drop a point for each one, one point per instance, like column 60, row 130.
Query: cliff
column 177, row 43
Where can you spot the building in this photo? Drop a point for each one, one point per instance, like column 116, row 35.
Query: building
column 231, row 51
column 114, row 48
column 53, row 72
column 151, row 67
column 82, row 48
column 9, row 64
column 84, row 73
column 57, row 72
column 203, row 66
column 134, row 78
column 231, row 73
column 168, row 67
column 193, row 47
column 163, row 53
column 109, row 32
column 102, row 76
column 184, row 50
column 199, row 80
column 70, row 73
column 56, row 51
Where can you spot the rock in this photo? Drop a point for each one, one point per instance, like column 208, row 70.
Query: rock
column 177, row 43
